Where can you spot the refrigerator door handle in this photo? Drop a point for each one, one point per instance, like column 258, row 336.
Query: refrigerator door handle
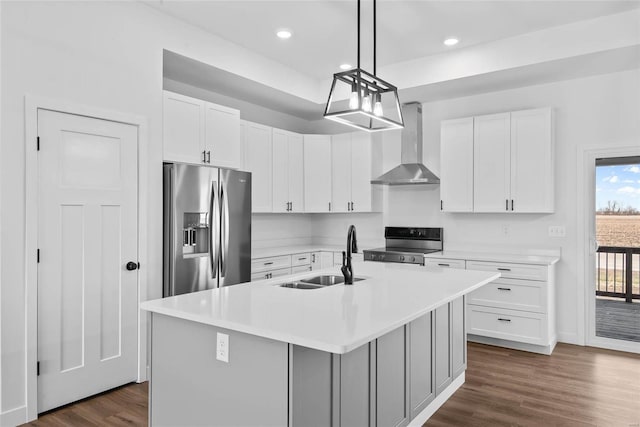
column 224, row 200
column 214, row 241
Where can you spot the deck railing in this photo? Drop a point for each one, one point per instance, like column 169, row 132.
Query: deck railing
column 617, row 272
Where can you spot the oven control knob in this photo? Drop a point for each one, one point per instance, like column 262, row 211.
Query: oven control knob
column 381, row 257
column 373, row 257
column 413, row 259
column 402, row 258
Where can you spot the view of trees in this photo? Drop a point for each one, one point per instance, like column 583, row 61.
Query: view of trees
column 616, row 208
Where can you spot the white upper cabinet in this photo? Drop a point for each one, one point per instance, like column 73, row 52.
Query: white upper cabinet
column 222, row 136
column 257, row 160
column 491, row 163
column 532, row 165
column 317, row 173
column 456, row 165
column 183, row 128
column 361, row 189
column 351, row 173
column 511, row 159
column 288, row 172
column 341, row 172
column 196, row 131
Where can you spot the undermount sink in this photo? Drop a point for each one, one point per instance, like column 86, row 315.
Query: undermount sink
column 317, row 282
column 324, row 280
column 300, row 285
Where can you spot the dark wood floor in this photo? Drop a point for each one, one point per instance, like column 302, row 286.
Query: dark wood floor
column 618, row 319
column 124, row 406
column 575, row 386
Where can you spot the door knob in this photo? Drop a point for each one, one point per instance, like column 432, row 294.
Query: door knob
column 132, row 266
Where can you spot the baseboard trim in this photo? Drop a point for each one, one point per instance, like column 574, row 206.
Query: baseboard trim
column 533, row 348
column 14, row 417
column 431, row 409
column 570, row 338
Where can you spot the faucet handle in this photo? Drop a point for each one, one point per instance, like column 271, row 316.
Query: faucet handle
column 344, row 258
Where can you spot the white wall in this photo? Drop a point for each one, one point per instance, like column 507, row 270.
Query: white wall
column 274, row 230
column 106, row 55
column 599, row 111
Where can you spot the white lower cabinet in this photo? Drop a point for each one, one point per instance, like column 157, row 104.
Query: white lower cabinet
column 517, row 310
column 445, row 263
column 320, row 260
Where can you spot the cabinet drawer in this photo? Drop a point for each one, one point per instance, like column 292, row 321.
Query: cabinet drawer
column 300, row 259
column 507, row 324
column 270, row 274
column 445, row 262
column 510, row 270
column 512, row 294
column 300, row 268
column 273, row 263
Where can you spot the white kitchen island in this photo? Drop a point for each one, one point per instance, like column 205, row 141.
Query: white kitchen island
column 386, row 351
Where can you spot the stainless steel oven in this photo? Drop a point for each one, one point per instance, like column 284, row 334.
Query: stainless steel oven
column 407, row 245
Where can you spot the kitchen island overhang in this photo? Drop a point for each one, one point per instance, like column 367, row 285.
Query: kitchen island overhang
column 386, row 349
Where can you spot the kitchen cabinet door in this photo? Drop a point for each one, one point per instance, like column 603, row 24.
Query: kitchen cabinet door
column 182, row 128
column 316, row 260
column 341, row 172
column 296, row 172
column 421, row 363
column 443, row 371
column 258, row 161
column 458, row 337
column 532, row 167
column 361, row 172
column 326, row 259
column 317, row 173
column 222, row 136
column 456, row 165
column 492, row 163
column 280, row 155
column 391, row 381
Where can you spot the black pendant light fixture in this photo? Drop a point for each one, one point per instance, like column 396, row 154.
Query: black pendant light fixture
column 363, row 100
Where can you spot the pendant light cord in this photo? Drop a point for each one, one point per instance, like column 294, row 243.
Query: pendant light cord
column 374, row 38
column 358, row 33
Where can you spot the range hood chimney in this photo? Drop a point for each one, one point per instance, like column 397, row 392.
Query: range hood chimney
column 411, row 170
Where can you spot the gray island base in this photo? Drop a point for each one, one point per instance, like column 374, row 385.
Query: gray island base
column 398, row 379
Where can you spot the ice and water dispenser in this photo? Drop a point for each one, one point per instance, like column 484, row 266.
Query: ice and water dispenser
column 195, row 234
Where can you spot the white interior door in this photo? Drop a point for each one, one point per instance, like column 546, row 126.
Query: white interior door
column 87, row 233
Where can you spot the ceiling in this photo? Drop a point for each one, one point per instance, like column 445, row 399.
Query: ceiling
column 324, row 32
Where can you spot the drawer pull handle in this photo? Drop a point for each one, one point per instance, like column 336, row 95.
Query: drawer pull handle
column 268, row 263
column 504, row 269
column 504, row 289
column 301, row 259
column 504, row 320
column 444, row 265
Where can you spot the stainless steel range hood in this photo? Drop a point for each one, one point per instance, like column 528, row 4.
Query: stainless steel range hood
column 411, row 170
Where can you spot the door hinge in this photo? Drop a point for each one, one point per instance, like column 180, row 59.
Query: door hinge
column 38, row 256
column 38, row 369
column 38, row 143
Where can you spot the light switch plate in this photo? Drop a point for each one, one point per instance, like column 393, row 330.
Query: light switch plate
column 222, row 347
column 557, row 231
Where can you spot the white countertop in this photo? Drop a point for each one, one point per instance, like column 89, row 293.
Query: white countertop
column 335, row 319
column 496, row 257
column 287, row 250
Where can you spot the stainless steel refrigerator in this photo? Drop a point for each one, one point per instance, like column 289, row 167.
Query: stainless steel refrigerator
column 207, row 228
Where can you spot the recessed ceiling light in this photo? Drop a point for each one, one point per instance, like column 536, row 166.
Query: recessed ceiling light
column 345, row 66
column 451, row 42
column 283, row 34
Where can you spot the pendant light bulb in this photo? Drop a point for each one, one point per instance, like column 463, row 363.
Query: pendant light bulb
column 377, row 107
column 353, row 99
column 366, row 101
